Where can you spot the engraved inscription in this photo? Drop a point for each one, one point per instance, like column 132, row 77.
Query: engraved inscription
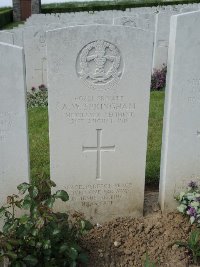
column 184, row 184
column 42, row 70
column 5, row 124
column 99, row 64
column 42, row 39
column 191, row 91
column 135, row 22
column 104, row 109
column 99, row 194
column 162, row 43
column 129, row 21
column 98, row 149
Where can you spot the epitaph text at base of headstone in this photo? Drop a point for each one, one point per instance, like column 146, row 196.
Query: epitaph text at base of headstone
column 99, row 80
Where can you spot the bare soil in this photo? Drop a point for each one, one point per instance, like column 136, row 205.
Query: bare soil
column 126, row 241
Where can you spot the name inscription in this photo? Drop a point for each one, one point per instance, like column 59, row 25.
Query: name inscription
column 98, row 109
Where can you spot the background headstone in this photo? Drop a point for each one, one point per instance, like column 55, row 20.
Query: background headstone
column 161, row 41
column 142, row 21
column 180, row 162
column 35, row 44
column 18, row 36
column 162, row 29
column 35, row 56
column 14, row 156
column 98, row 83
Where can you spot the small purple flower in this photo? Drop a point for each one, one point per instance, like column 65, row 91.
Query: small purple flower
column 42, row 87
column 33, row 89
column 193, row 185
column 192, row 212
column 158, row 78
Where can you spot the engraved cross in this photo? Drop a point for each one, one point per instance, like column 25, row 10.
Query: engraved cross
column 42, row 69
column 99, row 148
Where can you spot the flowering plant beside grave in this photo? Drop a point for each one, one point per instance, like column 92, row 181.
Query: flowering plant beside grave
column 38, row 97
column 158, row 79
column 190, row 202
column 40, row 237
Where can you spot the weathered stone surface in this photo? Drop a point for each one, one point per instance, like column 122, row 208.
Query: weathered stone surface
column 142, row 21
column 162, row 29
column 35, row 56
column 90, row 16
column 35, row 47
column 181, row 144
column 18, row 36
column 14, row 156
column 6, row 37
column 161, row 40
column 34, row 40
column 98, row 110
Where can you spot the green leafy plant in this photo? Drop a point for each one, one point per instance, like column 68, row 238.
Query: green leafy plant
column 190, row 202
column 192, row 245
column 38, row 97
column 148, row 262
column 40, row 237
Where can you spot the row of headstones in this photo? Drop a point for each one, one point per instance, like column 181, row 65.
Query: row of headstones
column 98, row 116
column 32, row 36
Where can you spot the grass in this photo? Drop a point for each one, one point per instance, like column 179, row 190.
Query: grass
column 39, row 142
column 154, row 137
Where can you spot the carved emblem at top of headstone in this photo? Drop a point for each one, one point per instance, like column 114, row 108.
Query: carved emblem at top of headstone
column 129, row 21
column 99, row 64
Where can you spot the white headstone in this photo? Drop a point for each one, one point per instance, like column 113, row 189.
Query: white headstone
column 180, row 162
column 98, row 82
column 18, row 36
column 142, row 21
column 162, row 29
column 14, row 156
column 161, row 41
column 35, row 46
column 78, row 18
column 35, row 56
column 6, row 37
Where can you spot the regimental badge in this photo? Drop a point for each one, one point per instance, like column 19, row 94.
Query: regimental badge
column 99, row 64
